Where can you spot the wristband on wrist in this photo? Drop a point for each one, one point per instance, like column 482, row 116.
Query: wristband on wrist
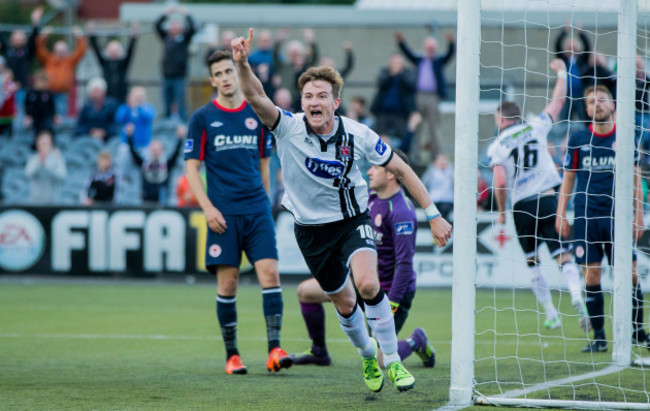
column 431, row 212
column 561, row 74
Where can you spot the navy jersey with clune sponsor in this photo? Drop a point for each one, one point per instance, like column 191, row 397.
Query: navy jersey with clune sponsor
column 231, row 143
column 592, row 157
column 395, row 225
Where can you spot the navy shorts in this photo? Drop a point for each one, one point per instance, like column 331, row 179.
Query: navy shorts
column 594, row 238
column 253, row 234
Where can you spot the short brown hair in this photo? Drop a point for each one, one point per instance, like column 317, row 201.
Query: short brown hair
column 597, row 88
column 324, row 73
column 216, row 57
column 509, row 110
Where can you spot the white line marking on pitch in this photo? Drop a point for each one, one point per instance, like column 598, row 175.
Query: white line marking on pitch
column 163, row 337
column 143, row 337
column 554, row 383
column 450, row 407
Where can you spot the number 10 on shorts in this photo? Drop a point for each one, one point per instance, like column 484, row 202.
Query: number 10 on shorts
column 366, row 232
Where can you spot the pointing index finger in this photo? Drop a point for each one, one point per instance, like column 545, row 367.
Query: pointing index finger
column 249, row 40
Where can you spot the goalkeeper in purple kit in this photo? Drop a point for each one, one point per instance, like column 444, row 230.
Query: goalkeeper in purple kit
column 395, row 226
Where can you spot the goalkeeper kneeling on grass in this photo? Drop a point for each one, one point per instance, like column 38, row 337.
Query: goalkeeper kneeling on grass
column 395, row 223
column 590, row 165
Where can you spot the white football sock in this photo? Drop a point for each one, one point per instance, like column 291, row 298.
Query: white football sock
column 572, row 279
column 542, row 292
column 355, row 328
column 380, row 320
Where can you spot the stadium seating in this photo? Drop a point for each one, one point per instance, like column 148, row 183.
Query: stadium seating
column 80, row 153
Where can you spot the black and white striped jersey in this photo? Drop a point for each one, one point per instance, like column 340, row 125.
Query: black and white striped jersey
column 322, row 180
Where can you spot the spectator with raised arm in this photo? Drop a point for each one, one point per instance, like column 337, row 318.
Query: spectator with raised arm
column 431, row 85
column 573, row 46
column 60, row 65
column 155, row 166
column 19, row 53
column 176, row 40
column 114, row 62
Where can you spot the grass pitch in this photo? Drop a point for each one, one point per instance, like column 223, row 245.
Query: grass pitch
column 92, row 345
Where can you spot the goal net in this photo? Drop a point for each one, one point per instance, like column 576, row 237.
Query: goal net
column 517, row 335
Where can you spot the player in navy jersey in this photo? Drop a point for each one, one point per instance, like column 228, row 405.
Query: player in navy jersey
column 590, row 166
column 320, row 151
column 395, row 225
column 228, row 136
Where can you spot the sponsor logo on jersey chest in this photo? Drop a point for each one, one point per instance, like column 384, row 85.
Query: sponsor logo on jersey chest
column 404, row 228
column 324, row 168
column 598, row 162
column 238, row 140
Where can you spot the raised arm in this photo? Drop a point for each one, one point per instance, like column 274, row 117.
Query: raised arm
column 251, row 85
column 42, row 53
column 190, row 27
column 36, row 20
column 349, row 60
column 406, row 50
column 137, row 159
column 440, row 228
column 559, row 92
column 129, row 51
column 81, row 46
column 159, row 26
column 171, row 162
column 451, row 48
column 94, row 44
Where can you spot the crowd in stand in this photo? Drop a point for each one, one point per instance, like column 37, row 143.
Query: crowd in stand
column 37, row 83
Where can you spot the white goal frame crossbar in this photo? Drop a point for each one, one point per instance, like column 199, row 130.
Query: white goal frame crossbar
column 461, row 390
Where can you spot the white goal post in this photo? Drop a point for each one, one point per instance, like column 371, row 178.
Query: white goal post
column 463, row 391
